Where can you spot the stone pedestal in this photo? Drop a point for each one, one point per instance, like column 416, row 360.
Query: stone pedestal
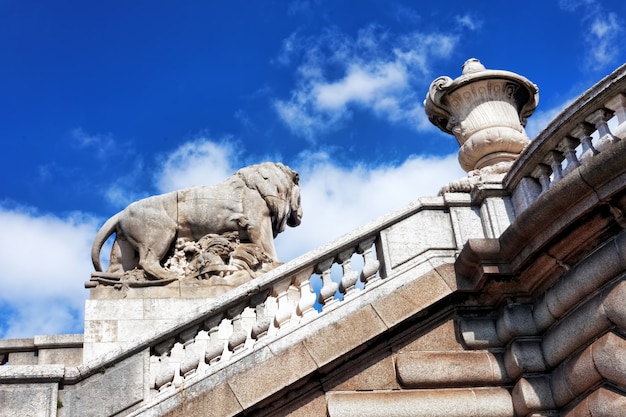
column 118, row 318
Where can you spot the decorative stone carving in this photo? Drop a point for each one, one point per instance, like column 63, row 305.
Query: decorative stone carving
column 486, row 111
column 217, row 233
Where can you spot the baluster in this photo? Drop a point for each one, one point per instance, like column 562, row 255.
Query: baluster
column 215, row 347
column 554, row 159
column 224, row 332
column 191, row 358
column 263, row 320
column 176, row 357
column 350, row 276
column 271, row 308
column 238, row 337
column 155, row 364
column 302, row 280
column 618, row 105
column 542, row 173
column 329, row 287
column 568, row 148
column 165, row 372
column 283, row 314
column 599, row 119
column 248, row 319
column 370, row 264
column 583, row 132
column 201, row 345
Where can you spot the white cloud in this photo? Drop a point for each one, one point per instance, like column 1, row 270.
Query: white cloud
column 602, row 31
column 540, row 118
column 290, row 46
column 375, row 71
column 468, row 21
column 44, row 261
column 603, row 40
column 404, row 14
column 361, row 85
column 301, row 6
column 102, row 143
column 197, row 162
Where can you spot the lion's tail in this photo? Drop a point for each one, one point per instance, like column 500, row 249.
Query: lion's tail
column 103, row 234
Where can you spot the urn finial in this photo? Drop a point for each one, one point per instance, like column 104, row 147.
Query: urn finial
column 472, row 65
column 485, row 110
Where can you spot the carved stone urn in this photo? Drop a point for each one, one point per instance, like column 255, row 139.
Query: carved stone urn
column 486, row 111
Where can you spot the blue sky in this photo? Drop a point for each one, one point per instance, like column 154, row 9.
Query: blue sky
column 102, row 103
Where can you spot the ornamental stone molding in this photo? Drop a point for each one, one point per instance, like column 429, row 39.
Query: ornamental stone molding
column 485, row 110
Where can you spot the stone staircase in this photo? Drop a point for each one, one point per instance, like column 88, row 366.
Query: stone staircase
column 504, row 300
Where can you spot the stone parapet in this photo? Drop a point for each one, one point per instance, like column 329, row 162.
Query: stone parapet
column 66, row 349
column 576, row 136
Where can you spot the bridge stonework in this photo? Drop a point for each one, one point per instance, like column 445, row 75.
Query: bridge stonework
column 502, row 296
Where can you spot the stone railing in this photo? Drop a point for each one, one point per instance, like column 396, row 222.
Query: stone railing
column 587, row 127
column 282, row 300
column 275, row 304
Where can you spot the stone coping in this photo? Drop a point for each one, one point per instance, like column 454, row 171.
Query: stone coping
column 56, row 341
column 31, row 373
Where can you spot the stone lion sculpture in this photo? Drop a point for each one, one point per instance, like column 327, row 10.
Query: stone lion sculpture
column 257, row 202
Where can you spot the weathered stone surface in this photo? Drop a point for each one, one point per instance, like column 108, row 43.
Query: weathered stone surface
column 65, row 356
column 113, row 324
column 124, row 384
column 29, row 400
column 344, row 335
column 219, row 401
column 450, row 369
column 23, row 358
column 603, row 360
column 600, row 403
column 466, row 223
column 315, row 406
column 280, row 370
column 531, row 395
column 524, row 356
column 442, row 337
column 426, row 230
column 364, row 374
column 411, row 298
column 486, row 402
column 496, row 215
column 16, row 373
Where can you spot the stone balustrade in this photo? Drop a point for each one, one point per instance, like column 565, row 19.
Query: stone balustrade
column 287, row 300
column 587, row 127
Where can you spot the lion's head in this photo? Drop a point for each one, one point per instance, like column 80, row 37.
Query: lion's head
column 278, row 185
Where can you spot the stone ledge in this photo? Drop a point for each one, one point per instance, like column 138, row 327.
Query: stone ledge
column 450, row 369
column 31, row 373
column 59, row 341
column 17, row 345
column 461, row 402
